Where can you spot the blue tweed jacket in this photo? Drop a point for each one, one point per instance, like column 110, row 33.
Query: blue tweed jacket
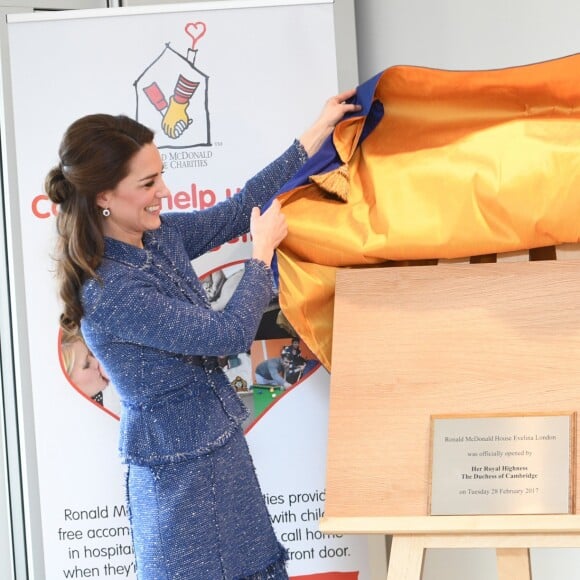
column 148, row 319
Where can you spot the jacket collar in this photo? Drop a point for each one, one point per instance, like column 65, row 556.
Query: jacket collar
column 131, row 255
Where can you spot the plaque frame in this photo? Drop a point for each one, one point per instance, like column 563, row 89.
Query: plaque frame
column 571, row 495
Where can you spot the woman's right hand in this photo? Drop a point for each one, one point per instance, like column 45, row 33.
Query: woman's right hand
column 268, row 229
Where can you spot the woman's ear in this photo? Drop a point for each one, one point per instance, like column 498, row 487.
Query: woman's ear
column 103, row 199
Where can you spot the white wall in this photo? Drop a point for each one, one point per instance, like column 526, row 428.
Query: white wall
column 460, row 34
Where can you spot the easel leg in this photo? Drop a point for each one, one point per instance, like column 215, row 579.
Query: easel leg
column 513, row 564
column 406, row 559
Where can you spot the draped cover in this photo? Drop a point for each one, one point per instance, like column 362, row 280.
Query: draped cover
column 438, row 164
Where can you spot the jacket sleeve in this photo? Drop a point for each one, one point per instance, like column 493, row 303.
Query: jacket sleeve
column 203, row 230
column 132, row 309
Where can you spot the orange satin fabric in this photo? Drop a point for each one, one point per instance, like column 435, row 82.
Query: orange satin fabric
column 462, row 163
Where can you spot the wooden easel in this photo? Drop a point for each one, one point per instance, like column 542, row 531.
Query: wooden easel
column 511, row 536
column 410, row 343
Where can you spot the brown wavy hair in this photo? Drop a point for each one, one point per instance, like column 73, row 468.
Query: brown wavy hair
column 95, row 153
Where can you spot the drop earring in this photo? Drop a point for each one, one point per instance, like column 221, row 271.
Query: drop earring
column 106, row 212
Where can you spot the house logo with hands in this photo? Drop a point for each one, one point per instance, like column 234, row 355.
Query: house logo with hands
column 172, row 96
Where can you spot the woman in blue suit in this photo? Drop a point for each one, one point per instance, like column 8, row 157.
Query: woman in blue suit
column 125, row 276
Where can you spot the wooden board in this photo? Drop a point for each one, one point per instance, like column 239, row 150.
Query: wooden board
column 413, row 342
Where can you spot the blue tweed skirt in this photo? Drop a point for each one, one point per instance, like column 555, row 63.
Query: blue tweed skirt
column 203, row 519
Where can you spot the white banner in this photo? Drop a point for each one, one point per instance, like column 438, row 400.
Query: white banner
column 260, row 75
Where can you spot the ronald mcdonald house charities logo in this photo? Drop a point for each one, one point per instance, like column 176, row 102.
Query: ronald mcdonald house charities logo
column 172, row 96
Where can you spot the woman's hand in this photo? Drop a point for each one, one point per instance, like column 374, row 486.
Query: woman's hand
column 268, row 230
column 333, row 111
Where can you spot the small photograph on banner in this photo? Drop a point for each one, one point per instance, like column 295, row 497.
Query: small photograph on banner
column 502, row 464
column 277, row 360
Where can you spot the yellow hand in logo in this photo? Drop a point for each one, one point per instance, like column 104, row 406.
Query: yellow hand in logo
column 175, row 121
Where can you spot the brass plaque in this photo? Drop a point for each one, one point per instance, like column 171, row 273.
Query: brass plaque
column 502, row 464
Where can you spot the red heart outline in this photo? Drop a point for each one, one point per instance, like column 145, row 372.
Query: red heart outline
column 195, row 30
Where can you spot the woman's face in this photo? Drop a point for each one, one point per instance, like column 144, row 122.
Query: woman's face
column 135, row 204
column 86, row 373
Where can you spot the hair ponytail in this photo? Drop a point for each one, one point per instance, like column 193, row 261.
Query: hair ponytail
column 95, row 153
